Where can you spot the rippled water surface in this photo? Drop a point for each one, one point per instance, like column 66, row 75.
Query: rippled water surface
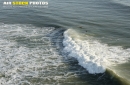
column 67, row 43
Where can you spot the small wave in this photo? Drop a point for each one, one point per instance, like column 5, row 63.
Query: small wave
column 94, row 56
column 123, row 2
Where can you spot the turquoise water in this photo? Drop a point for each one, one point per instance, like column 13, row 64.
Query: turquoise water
column 67, row 43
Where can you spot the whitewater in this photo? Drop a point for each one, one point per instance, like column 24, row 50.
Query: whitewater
column 73, row 42
column 31, row 55
column 94, row 56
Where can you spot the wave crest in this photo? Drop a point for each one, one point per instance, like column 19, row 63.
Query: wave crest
column 92, row 55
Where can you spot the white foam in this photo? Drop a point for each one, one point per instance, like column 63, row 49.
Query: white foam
column 94, row 56
column 17, row 60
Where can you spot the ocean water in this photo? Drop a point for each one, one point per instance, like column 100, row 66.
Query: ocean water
column 73, row 42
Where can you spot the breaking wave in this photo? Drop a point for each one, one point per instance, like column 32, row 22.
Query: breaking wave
column 94, row 56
